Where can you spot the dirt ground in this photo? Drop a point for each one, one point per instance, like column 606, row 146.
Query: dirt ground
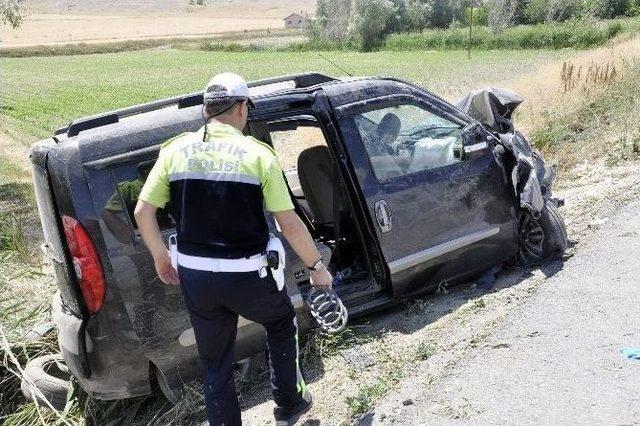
column 456, row 324
column 51, row 22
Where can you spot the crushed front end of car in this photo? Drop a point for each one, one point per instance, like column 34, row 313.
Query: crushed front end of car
column 531, row 177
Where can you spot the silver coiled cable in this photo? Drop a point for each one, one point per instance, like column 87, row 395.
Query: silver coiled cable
column 327, row 309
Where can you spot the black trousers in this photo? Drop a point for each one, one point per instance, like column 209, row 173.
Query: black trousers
column 214, row 301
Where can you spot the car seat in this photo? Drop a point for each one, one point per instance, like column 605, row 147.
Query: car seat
column 316, row 172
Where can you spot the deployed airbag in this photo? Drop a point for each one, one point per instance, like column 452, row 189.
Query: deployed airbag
column 432, row 153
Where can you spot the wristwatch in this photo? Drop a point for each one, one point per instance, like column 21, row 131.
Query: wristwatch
column 316, row 266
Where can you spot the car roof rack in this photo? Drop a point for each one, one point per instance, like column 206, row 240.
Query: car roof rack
column 75, row 127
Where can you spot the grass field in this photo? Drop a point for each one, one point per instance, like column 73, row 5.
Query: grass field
column 43, row 93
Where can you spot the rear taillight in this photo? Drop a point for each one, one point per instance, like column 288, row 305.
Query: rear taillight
column 86, row 264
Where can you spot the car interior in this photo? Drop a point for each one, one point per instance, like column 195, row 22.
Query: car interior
column 406, row 139
column 320, row 199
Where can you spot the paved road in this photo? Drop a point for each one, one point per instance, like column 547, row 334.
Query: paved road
column 557, row 360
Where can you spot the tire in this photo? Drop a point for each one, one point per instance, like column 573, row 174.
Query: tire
column 173, row 395
column 543, row 238
column 52, row 378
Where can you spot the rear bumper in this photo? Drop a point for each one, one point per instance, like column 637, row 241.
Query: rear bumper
column 105, row 367
column 71, row 339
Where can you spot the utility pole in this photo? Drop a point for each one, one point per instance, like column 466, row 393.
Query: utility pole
column 470, row 26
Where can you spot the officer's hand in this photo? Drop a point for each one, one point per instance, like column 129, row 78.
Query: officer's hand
column 165, row 270
column 321, row 278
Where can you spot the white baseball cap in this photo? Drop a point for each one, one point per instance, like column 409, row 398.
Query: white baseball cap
column 227, row 88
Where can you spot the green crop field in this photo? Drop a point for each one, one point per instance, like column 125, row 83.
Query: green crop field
column 40, row 94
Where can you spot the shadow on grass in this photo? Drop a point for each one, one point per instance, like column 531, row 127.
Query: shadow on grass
column 413, row 315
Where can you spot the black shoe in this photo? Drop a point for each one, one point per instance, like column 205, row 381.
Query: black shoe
column 289, row 416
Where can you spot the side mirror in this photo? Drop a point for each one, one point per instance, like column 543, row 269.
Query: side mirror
column 474, row 140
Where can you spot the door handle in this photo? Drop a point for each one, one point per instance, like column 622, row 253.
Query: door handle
column 383, row 215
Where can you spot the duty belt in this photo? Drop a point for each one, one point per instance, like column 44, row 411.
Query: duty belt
column 259, row 262
column 253, row 263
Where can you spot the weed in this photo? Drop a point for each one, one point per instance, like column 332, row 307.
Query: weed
column 595, row 74
column 478, row 304
column 322, row 345
column 443, row 287
column 425, row 351
column 475, row 341
column 367, row 395
column 461, row 410
column 590, row 127
column 363, row 400
column 11, row 397
column 12, row 237
column 418, row 306
column 626, row 148
column 391, row 372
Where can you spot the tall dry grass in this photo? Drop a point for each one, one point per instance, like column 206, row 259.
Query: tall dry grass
column 583, row 107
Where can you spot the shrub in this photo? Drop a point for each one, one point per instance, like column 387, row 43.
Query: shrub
column 410, row 15
column 580, row 35
column 229, row 47
column 606, row 9
column 443, row 12
column 538, row 11
column 501, row 14
column 11, row 12
column 368, row 20
column 613, row 29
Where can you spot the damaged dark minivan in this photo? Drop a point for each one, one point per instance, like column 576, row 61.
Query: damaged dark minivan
column 400, row 190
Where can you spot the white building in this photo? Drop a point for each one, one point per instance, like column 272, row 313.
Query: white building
column 295, row 20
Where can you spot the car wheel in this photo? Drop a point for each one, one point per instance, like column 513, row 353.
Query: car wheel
column 173, row 395
column 543, row 238
column 50, row 375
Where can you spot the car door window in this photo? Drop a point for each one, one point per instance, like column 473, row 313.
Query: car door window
column 407, row 139
column 122, row 203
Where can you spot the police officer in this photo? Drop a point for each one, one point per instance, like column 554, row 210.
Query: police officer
column 219, row 183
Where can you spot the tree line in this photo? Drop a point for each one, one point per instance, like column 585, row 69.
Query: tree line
column 366, row 23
